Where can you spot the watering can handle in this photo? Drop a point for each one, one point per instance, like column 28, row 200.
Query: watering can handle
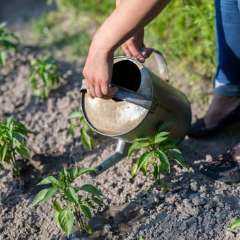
column 158, row 64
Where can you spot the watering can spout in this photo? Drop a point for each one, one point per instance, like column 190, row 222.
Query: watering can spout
column 117, row 156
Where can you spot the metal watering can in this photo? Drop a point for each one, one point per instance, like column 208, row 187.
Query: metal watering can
column 144, row 101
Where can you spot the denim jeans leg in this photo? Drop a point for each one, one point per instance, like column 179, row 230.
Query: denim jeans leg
column 227, row 80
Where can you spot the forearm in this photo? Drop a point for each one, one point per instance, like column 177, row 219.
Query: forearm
column 127, row 18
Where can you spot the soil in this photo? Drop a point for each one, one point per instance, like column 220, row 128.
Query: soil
column 192, row 208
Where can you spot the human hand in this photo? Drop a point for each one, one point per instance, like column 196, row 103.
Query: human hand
column 134, row 47
column 98, row 73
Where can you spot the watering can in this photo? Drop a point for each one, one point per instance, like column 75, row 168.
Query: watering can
column 144, row 101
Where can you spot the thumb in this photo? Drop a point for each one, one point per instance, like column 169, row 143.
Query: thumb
column 147, row 52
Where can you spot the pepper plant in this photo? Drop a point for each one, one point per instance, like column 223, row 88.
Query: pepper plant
column 8, row 43
column 13, row 139
column 72, row 204
column 44, row 76
column 235, row 224
column 158, row 152
column 77, row 121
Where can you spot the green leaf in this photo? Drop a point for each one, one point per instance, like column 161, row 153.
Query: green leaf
column 50, row 193
column 4, row 152
column 76, row 114
column 56, row 217
column 86, row 139
column 134, row 170
column 71, row 129
column 72, row 195
column 144, row 139
column 234, row 224
column 82, row 171
column 146, row 162
column 57, row 206
column 40, row 197
column 44, row 76
column 44, row 195
column 164, row 166
column 143, row 164
column 66, row 220
column 58, row 209
column 91, row 189
column 142, row 161
column 13, row 135
column 160, row 137
column 86, row 211
column 49, row 180
column 3, row 58
column 23, row 152
column 65, row 173
column 73, row 173
column 137, row 146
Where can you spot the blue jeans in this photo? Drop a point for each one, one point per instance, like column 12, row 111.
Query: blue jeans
column 227, row 80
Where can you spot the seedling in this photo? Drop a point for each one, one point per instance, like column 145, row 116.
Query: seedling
column 158, row 152
column 235, row 224
column 44, row 76
column 72, row 205
column 8, row 43
column 77, row 121
column 13, row 138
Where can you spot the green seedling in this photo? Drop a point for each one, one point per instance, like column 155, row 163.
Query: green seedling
column 235, row 224
column 158, row 152
column 77, row 121
column 72, row 204
column 13, row 138
column 44, row 76
column 8, row 43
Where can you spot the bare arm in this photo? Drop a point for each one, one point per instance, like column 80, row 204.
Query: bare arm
column 134, row 47
column 127, row 18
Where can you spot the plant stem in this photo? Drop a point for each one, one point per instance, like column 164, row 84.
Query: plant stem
column 79, row 218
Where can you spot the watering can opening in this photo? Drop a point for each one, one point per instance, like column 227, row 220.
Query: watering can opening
column 126, row 74
column 127, row 109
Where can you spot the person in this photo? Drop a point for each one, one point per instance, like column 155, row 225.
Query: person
column 125, row 27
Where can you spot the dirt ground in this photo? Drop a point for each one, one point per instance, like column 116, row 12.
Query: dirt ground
column 194, row 208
